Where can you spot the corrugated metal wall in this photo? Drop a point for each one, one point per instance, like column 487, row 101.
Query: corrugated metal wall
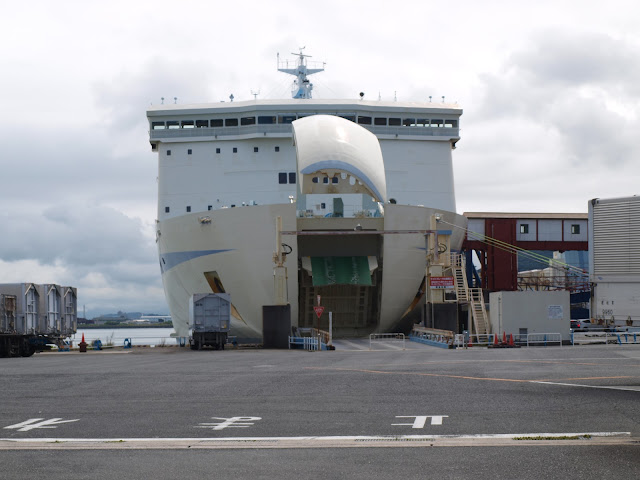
column 616, row 237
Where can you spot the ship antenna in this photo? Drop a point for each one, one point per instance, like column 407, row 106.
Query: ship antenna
column 302, row 87
column 255, row 94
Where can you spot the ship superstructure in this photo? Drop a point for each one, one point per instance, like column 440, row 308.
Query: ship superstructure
column 226, row 170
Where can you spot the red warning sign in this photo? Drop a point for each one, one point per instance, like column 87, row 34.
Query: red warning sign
column 318, row 309
column 441, row 282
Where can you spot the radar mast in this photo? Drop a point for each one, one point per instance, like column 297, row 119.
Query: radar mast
column 301, row 85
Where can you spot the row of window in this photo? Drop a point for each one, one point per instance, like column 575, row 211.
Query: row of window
column 283, row 178
column 289, row 118
column 218, row 150
column 575, row 228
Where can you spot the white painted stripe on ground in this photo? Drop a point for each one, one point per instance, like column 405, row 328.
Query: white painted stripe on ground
column 630, row 388
column 338, row 343
column 549, row 436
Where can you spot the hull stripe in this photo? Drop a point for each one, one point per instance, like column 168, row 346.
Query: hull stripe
column 172, row 259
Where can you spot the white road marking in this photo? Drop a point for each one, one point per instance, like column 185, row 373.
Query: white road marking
column 34, row 423
column 354, row 345
column 630, row 388
column 334, row 441
column 421, row 420
column 238, row 422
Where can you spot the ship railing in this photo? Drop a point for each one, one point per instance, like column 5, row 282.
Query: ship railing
column 355, row 212
column 286, row 130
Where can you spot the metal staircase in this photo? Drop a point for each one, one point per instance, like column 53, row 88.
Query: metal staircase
column 472, row 296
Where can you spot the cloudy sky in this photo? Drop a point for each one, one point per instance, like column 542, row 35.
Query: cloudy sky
column 550, row 92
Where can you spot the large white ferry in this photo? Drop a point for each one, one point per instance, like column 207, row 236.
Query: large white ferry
column 227, row 170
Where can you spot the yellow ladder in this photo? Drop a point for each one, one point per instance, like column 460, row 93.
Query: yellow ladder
column 472, row 296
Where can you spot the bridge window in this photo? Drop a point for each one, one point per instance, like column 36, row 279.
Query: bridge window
column 168, row 153
column 217, row 122
column 157, row 125
column 451, row 124
column 172, row 124
column 282, row 178
column 436, row 123
column 267, row 120
column 395, row 122
column 287, row 118
column 188, row 208
column 351, row 118
column 524, row 228
column 202, row 123
column 422, row 122
column 166, row 209
column 235, row 149
column 364, row 120
column 231, row 122
column 380, row 121
column 248, row 121
column 575, row 229
column 188, row 124
column 255, row 149
column 189, row 151
column 217, row 150
column 409, row 122
column 277, row 149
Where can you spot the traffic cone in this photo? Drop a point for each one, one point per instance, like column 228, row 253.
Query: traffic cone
column 511, row 344
column 470, row 342
column 504, row 337
column 83, row 344
column 495, row 339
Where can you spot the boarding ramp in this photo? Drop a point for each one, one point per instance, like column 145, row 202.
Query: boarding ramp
column 432, row 336
column 395, row 338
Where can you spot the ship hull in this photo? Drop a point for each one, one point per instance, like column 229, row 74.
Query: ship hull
column 231, row 250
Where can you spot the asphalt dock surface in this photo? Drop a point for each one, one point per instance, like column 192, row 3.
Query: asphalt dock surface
column 385, row 412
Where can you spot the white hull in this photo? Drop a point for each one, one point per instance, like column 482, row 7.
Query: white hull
column 238, row 245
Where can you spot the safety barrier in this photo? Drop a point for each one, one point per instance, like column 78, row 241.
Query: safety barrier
column 386, row 336
column 310, row 344
column 482, row 340
column 311, row 332
column 606, row 338
column 493, row 339
column 538, row 339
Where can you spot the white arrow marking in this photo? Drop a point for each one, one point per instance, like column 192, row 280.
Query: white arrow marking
column 240, row 422
column 33, row 423
column 421, row 420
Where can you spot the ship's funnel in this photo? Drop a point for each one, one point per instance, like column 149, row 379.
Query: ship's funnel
column 335, row 155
